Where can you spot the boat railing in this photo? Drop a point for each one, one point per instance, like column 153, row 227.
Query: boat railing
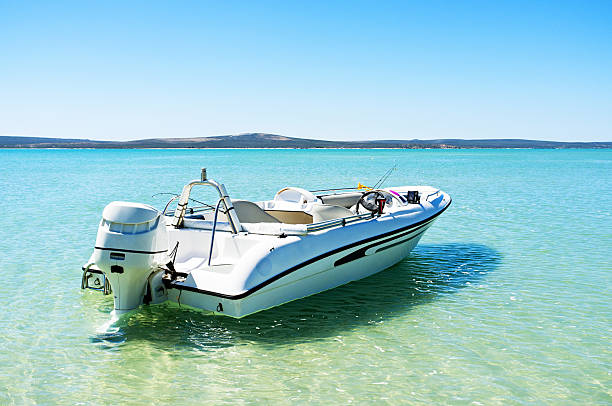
column 323, row 225
column 181, row 207
column 212, row 234
column 168, row 204
column 338, row 189
column 432, row 194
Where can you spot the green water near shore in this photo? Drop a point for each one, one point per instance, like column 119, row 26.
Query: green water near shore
column 506, row 300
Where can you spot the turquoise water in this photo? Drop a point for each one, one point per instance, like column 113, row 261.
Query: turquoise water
column 506, row 300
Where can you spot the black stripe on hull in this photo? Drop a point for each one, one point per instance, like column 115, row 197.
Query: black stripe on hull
column 361, row 252
column 411, row 228
column 386, row 247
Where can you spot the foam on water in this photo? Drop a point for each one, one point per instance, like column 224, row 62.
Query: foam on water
column 109, row 326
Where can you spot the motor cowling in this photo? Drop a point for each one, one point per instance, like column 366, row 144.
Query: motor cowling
column 132, row 242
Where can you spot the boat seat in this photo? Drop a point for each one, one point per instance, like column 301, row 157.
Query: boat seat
column 325, row 212
column 346, row 200
column 291, row 216
column 249, row 212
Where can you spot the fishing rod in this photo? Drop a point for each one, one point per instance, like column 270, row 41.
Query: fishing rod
column 384, row 178
column 378, row 184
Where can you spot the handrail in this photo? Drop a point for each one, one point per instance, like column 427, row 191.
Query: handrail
column 181, row 207
column 431, row 194
column 168, row 204
column 214, row 228
column 337, row 222
column 335, row 189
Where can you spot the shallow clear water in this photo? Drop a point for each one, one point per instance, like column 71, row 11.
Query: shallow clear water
column 506, row 300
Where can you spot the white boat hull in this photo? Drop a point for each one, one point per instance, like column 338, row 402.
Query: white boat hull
column 318, row 276
column 260, row 254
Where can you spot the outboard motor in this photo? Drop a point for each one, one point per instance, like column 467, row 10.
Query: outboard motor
column 131, row 244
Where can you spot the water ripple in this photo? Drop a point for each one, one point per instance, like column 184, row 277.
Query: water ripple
column 429, row 273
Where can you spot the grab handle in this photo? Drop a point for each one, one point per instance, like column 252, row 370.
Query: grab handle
column 214, row 228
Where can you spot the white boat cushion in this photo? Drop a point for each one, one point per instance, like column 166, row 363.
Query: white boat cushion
column 295, row 195
column 342, row 199
column 325, row 212
column 249, row 212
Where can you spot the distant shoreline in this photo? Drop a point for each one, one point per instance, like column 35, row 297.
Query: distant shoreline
column 273, row 141
column 295, row 149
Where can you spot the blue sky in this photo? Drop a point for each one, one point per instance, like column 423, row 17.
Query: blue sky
column 328, row 70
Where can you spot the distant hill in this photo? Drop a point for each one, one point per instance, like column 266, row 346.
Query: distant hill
column 261, row 140
column 39, row 142
column 499, row 143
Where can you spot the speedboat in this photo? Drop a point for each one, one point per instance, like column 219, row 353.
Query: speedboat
column 238, row 257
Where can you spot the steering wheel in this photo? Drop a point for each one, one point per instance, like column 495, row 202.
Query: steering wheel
column 369, row 201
